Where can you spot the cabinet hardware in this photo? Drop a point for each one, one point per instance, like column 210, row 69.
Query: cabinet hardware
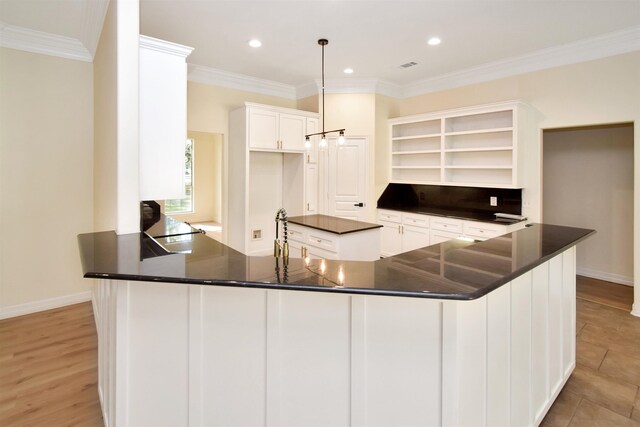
column 308, row 207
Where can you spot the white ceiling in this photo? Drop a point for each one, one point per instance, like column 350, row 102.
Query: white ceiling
column 372, row 37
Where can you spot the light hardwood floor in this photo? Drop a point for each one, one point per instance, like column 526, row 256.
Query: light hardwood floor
column 48, row 366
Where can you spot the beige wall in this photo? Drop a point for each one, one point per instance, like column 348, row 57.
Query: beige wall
column 207, row 178
column 105, row 132
column 588, row 182
column 46, row 178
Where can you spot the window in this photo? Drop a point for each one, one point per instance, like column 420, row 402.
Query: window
column 184, row 205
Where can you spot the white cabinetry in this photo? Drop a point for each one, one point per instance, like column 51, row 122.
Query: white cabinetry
column 264, row 179
column 163, row 118
column 319, row 244
column 476, row 146
column 405, row 231
column 273, row 129
column 402, row 232
column 311, row 167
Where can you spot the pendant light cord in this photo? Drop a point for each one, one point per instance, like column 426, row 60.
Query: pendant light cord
column 323, row 110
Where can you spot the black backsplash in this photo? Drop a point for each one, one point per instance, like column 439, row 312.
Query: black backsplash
column 450, row 199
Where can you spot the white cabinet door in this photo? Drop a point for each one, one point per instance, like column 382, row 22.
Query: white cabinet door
column 312, row 153
column 163, row 119
column 292, row 132
column 311, row 189
column 263, row 129
column 390, row 238
column 414, row 237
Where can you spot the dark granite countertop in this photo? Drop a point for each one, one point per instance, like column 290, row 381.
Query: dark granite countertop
column 332, row 224
column 167, row 226
column 455, row 269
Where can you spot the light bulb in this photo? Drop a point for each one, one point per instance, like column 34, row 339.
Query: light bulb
column 307, row 143
column 341, row 138
column 323, row 141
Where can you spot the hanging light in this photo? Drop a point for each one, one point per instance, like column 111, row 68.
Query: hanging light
column 307, row 142
column 323, row 140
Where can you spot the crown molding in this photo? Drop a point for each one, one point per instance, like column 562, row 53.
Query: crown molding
column 14, row 37
column 95, row 11
column 212, row 76
column 165, row 46
column 610, row 44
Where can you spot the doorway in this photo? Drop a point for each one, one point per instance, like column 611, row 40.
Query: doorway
column 588, row 175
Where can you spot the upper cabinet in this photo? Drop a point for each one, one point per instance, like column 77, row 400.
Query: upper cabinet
column 272, row 129
column 163, row 118
column 478, row 146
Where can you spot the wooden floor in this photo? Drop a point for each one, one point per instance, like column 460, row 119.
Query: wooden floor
column 48, row 366
column 48, row 369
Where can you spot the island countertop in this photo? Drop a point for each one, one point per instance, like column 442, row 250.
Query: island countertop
column 333, row 224
column 456, row 269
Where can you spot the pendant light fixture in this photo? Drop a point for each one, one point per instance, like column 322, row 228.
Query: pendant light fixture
column 323, row 140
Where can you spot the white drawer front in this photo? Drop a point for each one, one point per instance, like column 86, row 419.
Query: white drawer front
column 322, row 241
column 483, row 230
column 446, row 224
column 416, row 220
column 389, row 216
column 296, row 234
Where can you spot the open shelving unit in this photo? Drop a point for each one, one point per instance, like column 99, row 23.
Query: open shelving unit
column 475, row 146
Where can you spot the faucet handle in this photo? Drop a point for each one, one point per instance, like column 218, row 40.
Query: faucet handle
column 285, row 250
column 276, row 248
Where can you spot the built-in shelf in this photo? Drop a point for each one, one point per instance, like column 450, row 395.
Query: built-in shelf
column 474, row 146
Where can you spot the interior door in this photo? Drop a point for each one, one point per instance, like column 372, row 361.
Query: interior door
column 347, row 178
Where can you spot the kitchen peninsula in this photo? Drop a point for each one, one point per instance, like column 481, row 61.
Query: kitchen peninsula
column 457, row 333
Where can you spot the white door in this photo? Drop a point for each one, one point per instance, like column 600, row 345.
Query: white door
column 347, row 178
column 390, row 238
column 292, row 132
column 263, row 129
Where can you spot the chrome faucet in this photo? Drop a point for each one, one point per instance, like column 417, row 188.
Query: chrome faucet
column 283, row 249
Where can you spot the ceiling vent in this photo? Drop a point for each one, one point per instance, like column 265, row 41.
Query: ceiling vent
column 408, row 64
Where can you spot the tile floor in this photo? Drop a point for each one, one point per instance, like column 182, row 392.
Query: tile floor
column 604, row 387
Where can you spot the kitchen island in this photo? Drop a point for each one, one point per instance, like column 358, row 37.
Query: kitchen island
column 458, row 333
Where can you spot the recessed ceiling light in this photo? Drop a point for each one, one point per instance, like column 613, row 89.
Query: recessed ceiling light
column 255, row 43
column 434, row 41
column 348, row 70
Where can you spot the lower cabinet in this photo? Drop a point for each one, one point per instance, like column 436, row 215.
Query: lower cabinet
column 402, row 232
column 406, row 231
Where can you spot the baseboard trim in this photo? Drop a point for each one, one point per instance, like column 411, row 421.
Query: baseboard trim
column 601, row 275
column 44, row 304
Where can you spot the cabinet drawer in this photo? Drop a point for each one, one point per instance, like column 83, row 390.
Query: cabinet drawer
column 296, row 234
column 322, row 241
column 483, row 230
column 446, row 224
column 416, row 220
column 390, row 216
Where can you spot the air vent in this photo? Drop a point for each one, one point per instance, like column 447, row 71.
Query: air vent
column 408, row 64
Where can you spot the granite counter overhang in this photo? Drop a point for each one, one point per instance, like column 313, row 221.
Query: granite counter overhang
column 333, row 224
column 457, row 269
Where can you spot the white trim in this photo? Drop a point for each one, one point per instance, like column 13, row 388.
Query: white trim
column 44, row 304
column 14, row 37
column 610, row 44
column 602, row 275
column 165, row 46
column 212, row 76
column 95, row 12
